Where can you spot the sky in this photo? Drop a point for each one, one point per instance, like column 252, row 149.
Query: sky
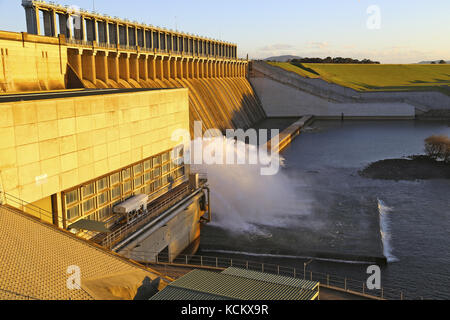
column 389, row 31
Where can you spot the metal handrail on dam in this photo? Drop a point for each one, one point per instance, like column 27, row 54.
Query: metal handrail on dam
column 153, row 212
column 27, row 207
column 330, row 281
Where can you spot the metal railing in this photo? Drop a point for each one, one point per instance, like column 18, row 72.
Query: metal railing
column 344, row 284
column 107, row 45
column 79, row 42
column 29, row 208
column 153, row 212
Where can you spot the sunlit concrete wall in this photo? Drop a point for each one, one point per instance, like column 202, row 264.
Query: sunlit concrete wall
column 31, row 63
column 281, row 100
column 172, row 239
column 99, row 67
column 47, row 146
column 284, row 93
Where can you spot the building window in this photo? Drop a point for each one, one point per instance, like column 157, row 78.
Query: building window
column 103, row 214
column 156, row 173
column 177, row 153
column 126, row 187
column 137, row 169
column 71, row 197
column 88, row 190
column 147, row 177
column 102, row 184
column 148, row 165
column 165, row 180
column 88, row 205
column 115, row 192
column 180, row 162
column 102, row 199
column 156, row 185
column 156, row 161
column 126, row 174
column 137, row 182
column 180, row 172
column 73, row 213
column 115, row 179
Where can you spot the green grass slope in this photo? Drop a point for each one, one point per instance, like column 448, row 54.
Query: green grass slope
column 372, row 77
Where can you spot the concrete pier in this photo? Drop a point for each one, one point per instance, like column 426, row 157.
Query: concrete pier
column 279, row 143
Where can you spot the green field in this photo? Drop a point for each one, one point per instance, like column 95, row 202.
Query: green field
column 373, row 77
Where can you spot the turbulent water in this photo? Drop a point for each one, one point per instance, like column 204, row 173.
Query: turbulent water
column 385, row 230
column 244, row 200
column 319, row 203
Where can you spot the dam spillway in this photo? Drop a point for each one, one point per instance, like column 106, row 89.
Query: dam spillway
column 220, row 94
column 220, row 103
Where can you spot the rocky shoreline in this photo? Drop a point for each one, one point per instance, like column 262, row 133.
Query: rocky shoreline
column 410, row 168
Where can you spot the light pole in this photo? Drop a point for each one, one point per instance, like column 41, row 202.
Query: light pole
column 304, row 268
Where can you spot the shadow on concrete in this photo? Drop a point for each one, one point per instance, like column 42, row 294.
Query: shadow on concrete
column 148, row 289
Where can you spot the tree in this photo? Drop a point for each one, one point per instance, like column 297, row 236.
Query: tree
column 438, row 147
column 442, row 62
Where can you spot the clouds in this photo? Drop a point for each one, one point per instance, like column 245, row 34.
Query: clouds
column 277, row 47
column 317, row 45
column 322, row 49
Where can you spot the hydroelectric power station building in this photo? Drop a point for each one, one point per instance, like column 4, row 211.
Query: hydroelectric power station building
column 88, row 106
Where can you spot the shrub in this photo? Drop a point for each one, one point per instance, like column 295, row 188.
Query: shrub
column 438, row 147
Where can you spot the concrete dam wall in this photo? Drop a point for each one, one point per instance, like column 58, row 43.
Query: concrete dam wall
column 31, row 63
column 222, row 102
column 284, row 93
column 219, row 93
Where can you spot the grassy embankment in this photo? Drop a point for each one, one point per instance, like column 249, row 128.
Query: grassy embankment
column 384, row 77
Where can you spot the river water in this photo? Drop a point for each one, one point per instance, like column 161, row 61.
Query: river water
column 318, row 203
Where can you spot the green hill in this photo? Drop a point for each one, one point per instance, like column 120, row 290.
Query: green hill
column 373, row 77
